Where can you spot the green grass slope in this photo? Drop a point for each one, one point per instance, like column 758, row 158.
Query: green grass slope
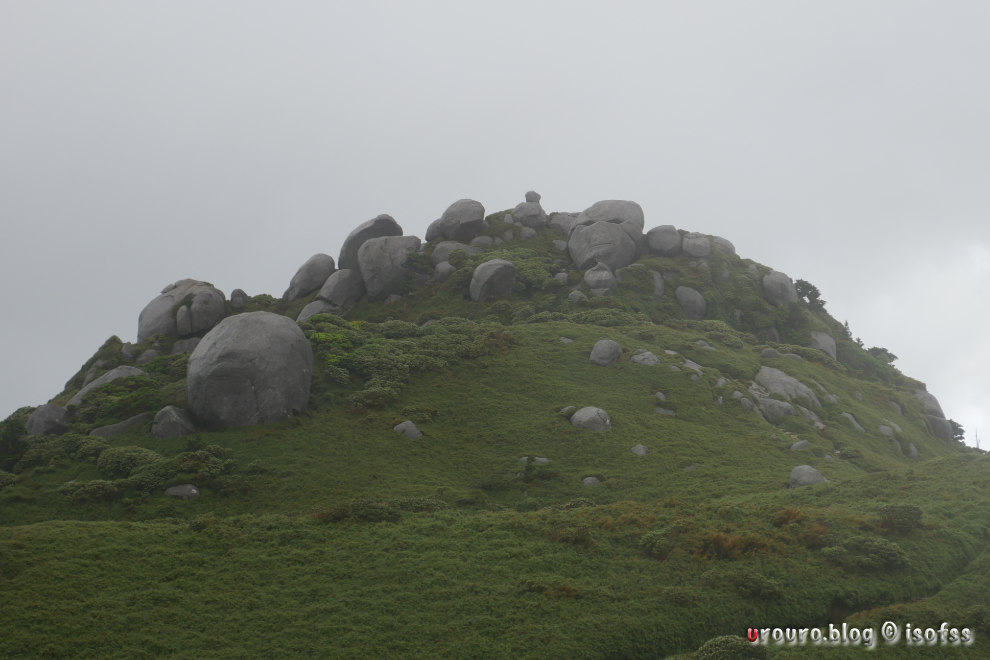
column 331, row 535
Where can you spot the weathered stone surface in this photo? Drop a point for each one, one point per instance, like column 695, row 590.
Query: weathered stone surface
column 779, row 289
column 823, row 342
column 940, row 427
column 627, row 215
column 492, row 279
column 591, row 481
column 696, row 245
column 639, row 450
column 408, row 429
column 896, row 407
column 147, row 356
column 774, row 410
column 462, row 221
column 118, row 428
column 600, row 241
column 532, row 196
column 645, row 358
column 800, row 444
column 691, row 301
column 204, row 304
column 563, row 222
column 704, row 345
column 912, row 451
column 47, row 419
column 310, row 277
column 777, row 382
column 316, row 307
column 442, row 250
column 442, row 271
column 253, row 368
column 576, row 296
column 723, row 245
column 110, row 376
column 172, row 422
column 929, row 403
column 530, row 214
column 605, row 352
column 342, row 290
column 527, row 233
column 182, row 492
column 664, row 411
column 383, row 225
column 381, row 262
column 237, row 300
column 804, row 475
column 886, row 430
column 482, row 242
column 811, row 417
column 565, row 340
column 185, row 345
column 664, row 240
column 591, row 419
column 600, row 279
column 852, row 420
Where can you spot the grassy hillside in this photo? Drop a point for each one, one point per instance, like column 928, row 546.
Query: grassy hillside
column 331, row 535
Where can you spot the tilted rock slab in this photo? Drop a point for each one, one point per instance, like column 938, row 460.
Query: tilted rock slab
column 383, row 225
column 161, row 316
column 823, row 342
column 171, row 422
column 930, row 403
column 110, row 376
column 492, row 279
column 382, row 264
column 310, row 277
column 253, row 368
column 778, row 382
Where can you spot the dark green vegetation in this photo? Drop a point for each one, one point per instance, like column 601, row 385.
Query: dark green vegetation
column 330, row 535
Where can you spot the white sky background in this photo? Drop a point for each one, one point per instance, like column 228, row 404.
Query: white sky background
column 842, row 142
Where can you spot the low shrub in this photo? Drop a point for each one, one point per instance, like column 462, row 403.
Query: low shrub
column 88, row 491
column 730, row 647
column 866, row 553
column 656, row 544
column 362, row 510
column 900, row 517
column 118, row 462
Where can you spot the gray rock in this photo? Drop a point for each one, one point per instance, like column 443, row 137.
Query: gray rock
column 563, row 222
column 559, row 245
column 530, row 214
column 645, row 358
column 940, row 427
column 567, row 411
column 897, row 446
column 658, row 285
column 576, row 296
column 442, row 271
column 800, row 444
column 492, row 279
column 779, row 289
column 108, row 377
column 185, row 345
column 804, row 475
column 664, row 240
column 508, row 235
column 600, row 278
column 383, row 225
column 704, row 345
column 310, row 277
column 148, row 355
column 695, row 378
column 929, row 403
column 723, row 245
column 204, row 304
column 793, row 356
column 778, row 382
column 660, row 396
column 601, row 241
column 537, row 460
column 639, row 450
column 774, row 410
column 768, row 353
column 238, row 299
column 381, row 262
column 696, row 245
column 691, row 301
column 747, row 404
column 253, row 368
column 182, row 492
column 482, row 242
column 462, row 221
column 47, row 419
column 172, row 422
column 664, row 411
column 316, row 307
column 823, row 342
column 128, row 350
column 394, row 298
column 859, row 396
column 527, row 233
column 532, row 196
column 852, row 420
column 896, row 407
column 811, row 417
column 562, row 278
column 693, row 366
column 408, row 428
column 118, row 428
column 183, row 321
column 625, row 214
column 591, row 419
column 886, row 430
column 605, row 352
column 566, row 340
column 912, row 451
column 591, row 481
column 894, row 425
column 342, row 290
column 442, row 250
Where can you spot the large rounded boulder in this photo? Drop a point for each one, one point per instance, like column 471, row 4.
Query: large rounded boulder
column 49, row 419
column 591, row 418
column 382, row 264
column 185, row 308
column 779, row 289
column 251, row 369
column 383, row 225
column 601, row 241
column 627, row 215
column 462, row 221
column 310, row 277
column 342, row 290
column 492, row 279
column 692, row 302
column 664, row 240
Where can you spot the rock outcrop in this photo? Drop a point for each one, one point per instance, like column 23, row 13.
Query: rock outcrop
column 383, row 225
column 696, row 245
column 600, row 280
column 310, row 277
column 381, row 262
column 184, row 308
column 462, row 221
column 664, row 240
column 691, row 301
column 252, row 368
column 171, row 422
column 605, row 352
column 823, row 342
column 778, row 289
column 777, row 382
column 601, row 242
column 805, row 475
column 110, row 376
column 48, row 419
column 591, row 419
column 492, row 279
column 408, row 429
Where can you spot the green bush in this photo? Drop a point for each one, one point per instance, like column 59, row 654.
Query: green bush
column 363, row 510
column 90, row 448
column 729, row 647
column 6, row 478
column 656, row 544
column 118, row 462
column 900, row 517
column 753, row 584
column 866, row 553
column 89, row 491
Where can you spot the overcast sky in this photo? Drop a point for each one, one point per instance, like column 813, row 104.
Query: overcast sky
column 845, row 143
